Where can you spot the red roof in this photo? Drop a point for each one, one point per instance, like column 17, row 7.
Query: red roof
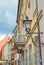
column 3, row 42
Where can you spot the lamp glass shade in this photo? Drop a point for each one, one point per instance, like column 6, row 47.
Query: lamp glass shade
column 27, row 24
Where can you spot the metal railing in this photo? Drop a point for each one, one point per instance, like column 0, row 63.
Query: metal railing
column 20, row 38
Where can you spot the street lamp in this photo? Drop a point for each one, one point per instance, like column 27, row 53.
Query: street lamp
column 27, row 24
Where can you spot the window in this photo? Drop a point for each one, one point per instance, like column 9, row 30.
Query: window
column 37, row 57
column 25, row 57
column 30, row 55
column 36, row 49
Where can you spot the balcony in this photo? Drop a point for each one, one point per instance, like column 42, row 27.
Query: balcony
column 20, row 39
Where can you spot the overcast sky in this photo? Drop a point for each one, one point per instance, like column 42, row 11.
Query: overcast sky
column 8, row 15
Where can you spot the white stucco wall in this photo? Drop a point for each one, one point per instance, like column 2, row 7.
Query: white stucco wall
column 41, row 6
column 5, row 52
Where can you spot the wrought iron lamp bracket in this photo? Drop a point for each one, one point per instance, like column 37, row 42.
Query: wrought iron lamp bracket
column 32, row 38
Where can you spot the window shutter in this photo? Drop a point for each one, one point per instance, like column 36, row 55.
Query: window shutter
column 25, row 57
column 30, row 55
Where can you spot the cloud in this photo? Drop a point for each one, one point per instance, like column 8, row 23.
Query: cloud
column 8, row 2
column 2, row 36
column 10, row 17
column 8, row 14
column 14, row 1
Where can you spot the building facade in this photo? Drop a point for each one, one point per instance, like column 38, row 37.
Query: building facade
column 6, row 52
column 12, row 52
column 32, row 10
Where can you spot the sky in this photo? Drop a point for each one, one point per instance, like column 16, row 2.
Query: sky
column 8, row 16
